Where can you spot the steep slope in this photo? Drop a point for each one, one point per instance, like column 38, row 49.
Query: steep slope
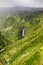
column 27, row 50
column 13, row 25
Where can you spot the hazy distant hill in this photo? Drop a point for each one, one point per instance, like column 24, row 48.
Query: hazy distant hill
column 11, row 11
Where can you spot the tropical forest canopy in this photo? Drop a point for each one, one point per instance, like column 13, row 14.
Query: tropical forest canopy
column 15, row 50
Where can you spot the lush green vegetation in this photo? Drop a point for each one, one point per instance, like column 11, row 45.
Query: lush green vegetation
column 15, row 50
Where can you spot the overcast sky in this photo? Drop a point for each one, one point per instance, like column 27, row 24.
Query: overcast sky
column 25, row 3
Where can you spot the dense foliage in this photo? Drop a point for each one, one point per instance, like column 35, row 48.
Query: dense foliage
column 15, row 50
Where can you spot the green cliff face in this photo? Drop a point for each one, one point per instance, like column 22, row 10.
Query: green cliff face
column 22, row 51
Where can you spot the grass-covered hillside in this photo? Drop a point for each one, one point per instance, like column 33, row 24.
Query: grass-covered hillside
column 15, row 50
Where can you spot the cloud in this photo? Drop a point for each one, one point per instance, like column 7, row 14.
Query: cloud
column 30, row 3
column 25, row 3
column 7, row 3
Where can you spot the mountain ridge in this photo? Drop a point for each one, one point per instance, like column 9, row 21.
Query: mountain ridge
column 15, row 10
